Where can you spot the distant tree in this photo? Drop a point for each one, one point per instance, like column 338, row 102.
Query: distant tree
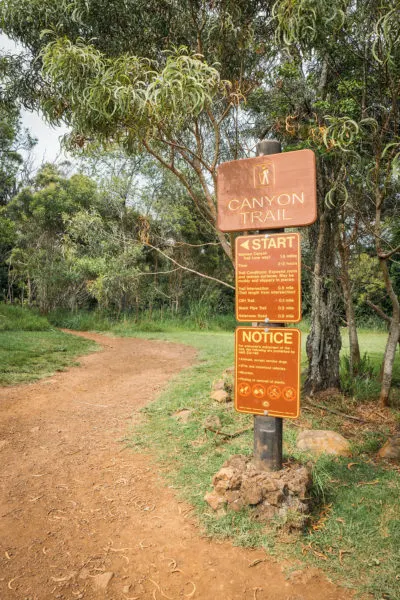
column 37, row 266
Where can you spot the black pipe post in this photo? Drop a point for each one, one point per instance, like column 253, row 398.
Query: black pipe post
column 268, row 430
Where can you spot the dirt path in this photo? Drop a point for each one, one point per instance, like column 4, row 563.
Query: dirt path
column 80, row 517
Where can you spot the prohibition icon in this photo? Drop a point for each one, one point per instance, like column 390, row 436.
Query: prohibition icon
column 289, row 393
column 258, row 390
column 274, row 392
column 244, row 389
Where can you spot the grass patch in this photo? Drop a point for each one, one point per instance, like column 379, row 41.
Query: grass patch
column 358, row 543
column 30, row 348
column 358, row 539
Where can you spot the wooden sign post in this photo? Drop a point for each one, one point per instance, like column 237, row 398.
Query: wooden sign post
column 265, row 194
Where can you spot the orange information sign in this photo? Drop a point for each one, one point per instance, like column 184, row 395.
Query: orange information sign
column 267, row 192
column 267, row 371
column 268, row 278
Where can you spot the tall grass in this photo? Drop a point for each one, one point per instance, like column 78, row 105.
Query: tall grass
column 18, row 318
column 196, row 319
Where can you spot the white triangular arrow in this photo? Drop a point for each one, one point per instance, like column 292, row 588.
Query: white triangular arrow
column 245, row 244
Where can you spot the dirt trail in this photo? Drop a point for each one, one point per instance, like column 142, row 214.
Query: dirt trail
column 82, row 517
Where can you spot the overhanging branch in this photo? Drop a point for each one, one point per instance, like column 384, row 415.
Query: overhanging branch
column 187, row 268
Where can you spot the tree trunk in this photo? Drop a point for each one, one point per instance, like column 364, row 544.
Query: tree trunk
column 394, row 326
column 324, row 341
column 393, row 338
column 355, row 356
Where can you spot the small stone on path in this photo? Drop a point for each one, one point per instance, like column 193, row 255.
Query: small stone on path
column 84, row 573
column 3, row 444
column 102, row 581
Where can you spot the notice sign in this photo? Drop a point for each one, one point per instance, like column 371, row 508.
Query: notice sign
column 268, row 273
column 267, row 192
column 267, row 371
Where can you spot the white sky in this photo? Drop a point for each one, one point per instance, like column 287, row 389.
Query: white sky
column 48, row 148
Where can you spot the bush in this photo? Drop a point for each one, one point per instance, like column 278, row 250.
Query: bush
column 364, row 383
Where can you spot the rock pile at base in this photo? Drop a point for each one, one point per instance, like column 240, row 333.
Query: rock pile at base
column 222, row 389
column 238, row 484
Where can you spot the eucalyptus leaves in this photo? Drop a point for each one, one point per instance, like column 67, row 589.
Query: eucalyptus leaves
column 128, row 96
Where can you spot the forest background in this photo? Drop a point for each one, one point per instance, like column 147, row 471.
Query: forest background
column 156, row 96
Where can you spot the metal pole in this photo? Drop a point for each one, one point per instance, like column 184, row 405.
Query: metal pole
column 268, row 430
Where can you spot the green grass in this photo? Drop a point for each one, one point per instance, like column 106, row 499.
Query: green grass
column 30, row 348
column 358, row 543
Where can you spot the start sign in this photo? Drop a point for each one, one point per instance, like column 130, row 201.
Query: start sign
column 267, row 192
column 267, row 371
column 268, row 278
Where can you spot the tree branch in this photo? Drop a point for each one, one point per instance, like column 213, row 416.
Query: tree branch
column 388, row 254
column 379, row 311
column 187, row 268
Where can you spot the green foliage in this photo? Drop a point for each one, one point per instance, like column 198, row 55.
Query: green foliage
column 13, row 139
column 368, row 283
column 125, row 98
column 306, row 21
column 38, row 264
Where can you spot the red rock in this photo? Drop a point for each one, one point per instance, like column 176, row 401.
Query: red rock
column 220, row 396
column 321, row 441
column 214, row 500
column 391, row 449
column 251, row 492
column 218, row 385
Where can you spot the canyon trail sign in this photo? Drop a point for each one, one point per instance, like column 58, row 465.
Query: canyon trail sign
column 267, row 371
column 267, row 192
column 268, row 278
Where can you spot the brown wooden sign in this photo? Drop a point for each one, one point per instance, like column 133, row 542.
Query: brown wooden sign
column 267, row 192
column 267, row 371
column 268, row 278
